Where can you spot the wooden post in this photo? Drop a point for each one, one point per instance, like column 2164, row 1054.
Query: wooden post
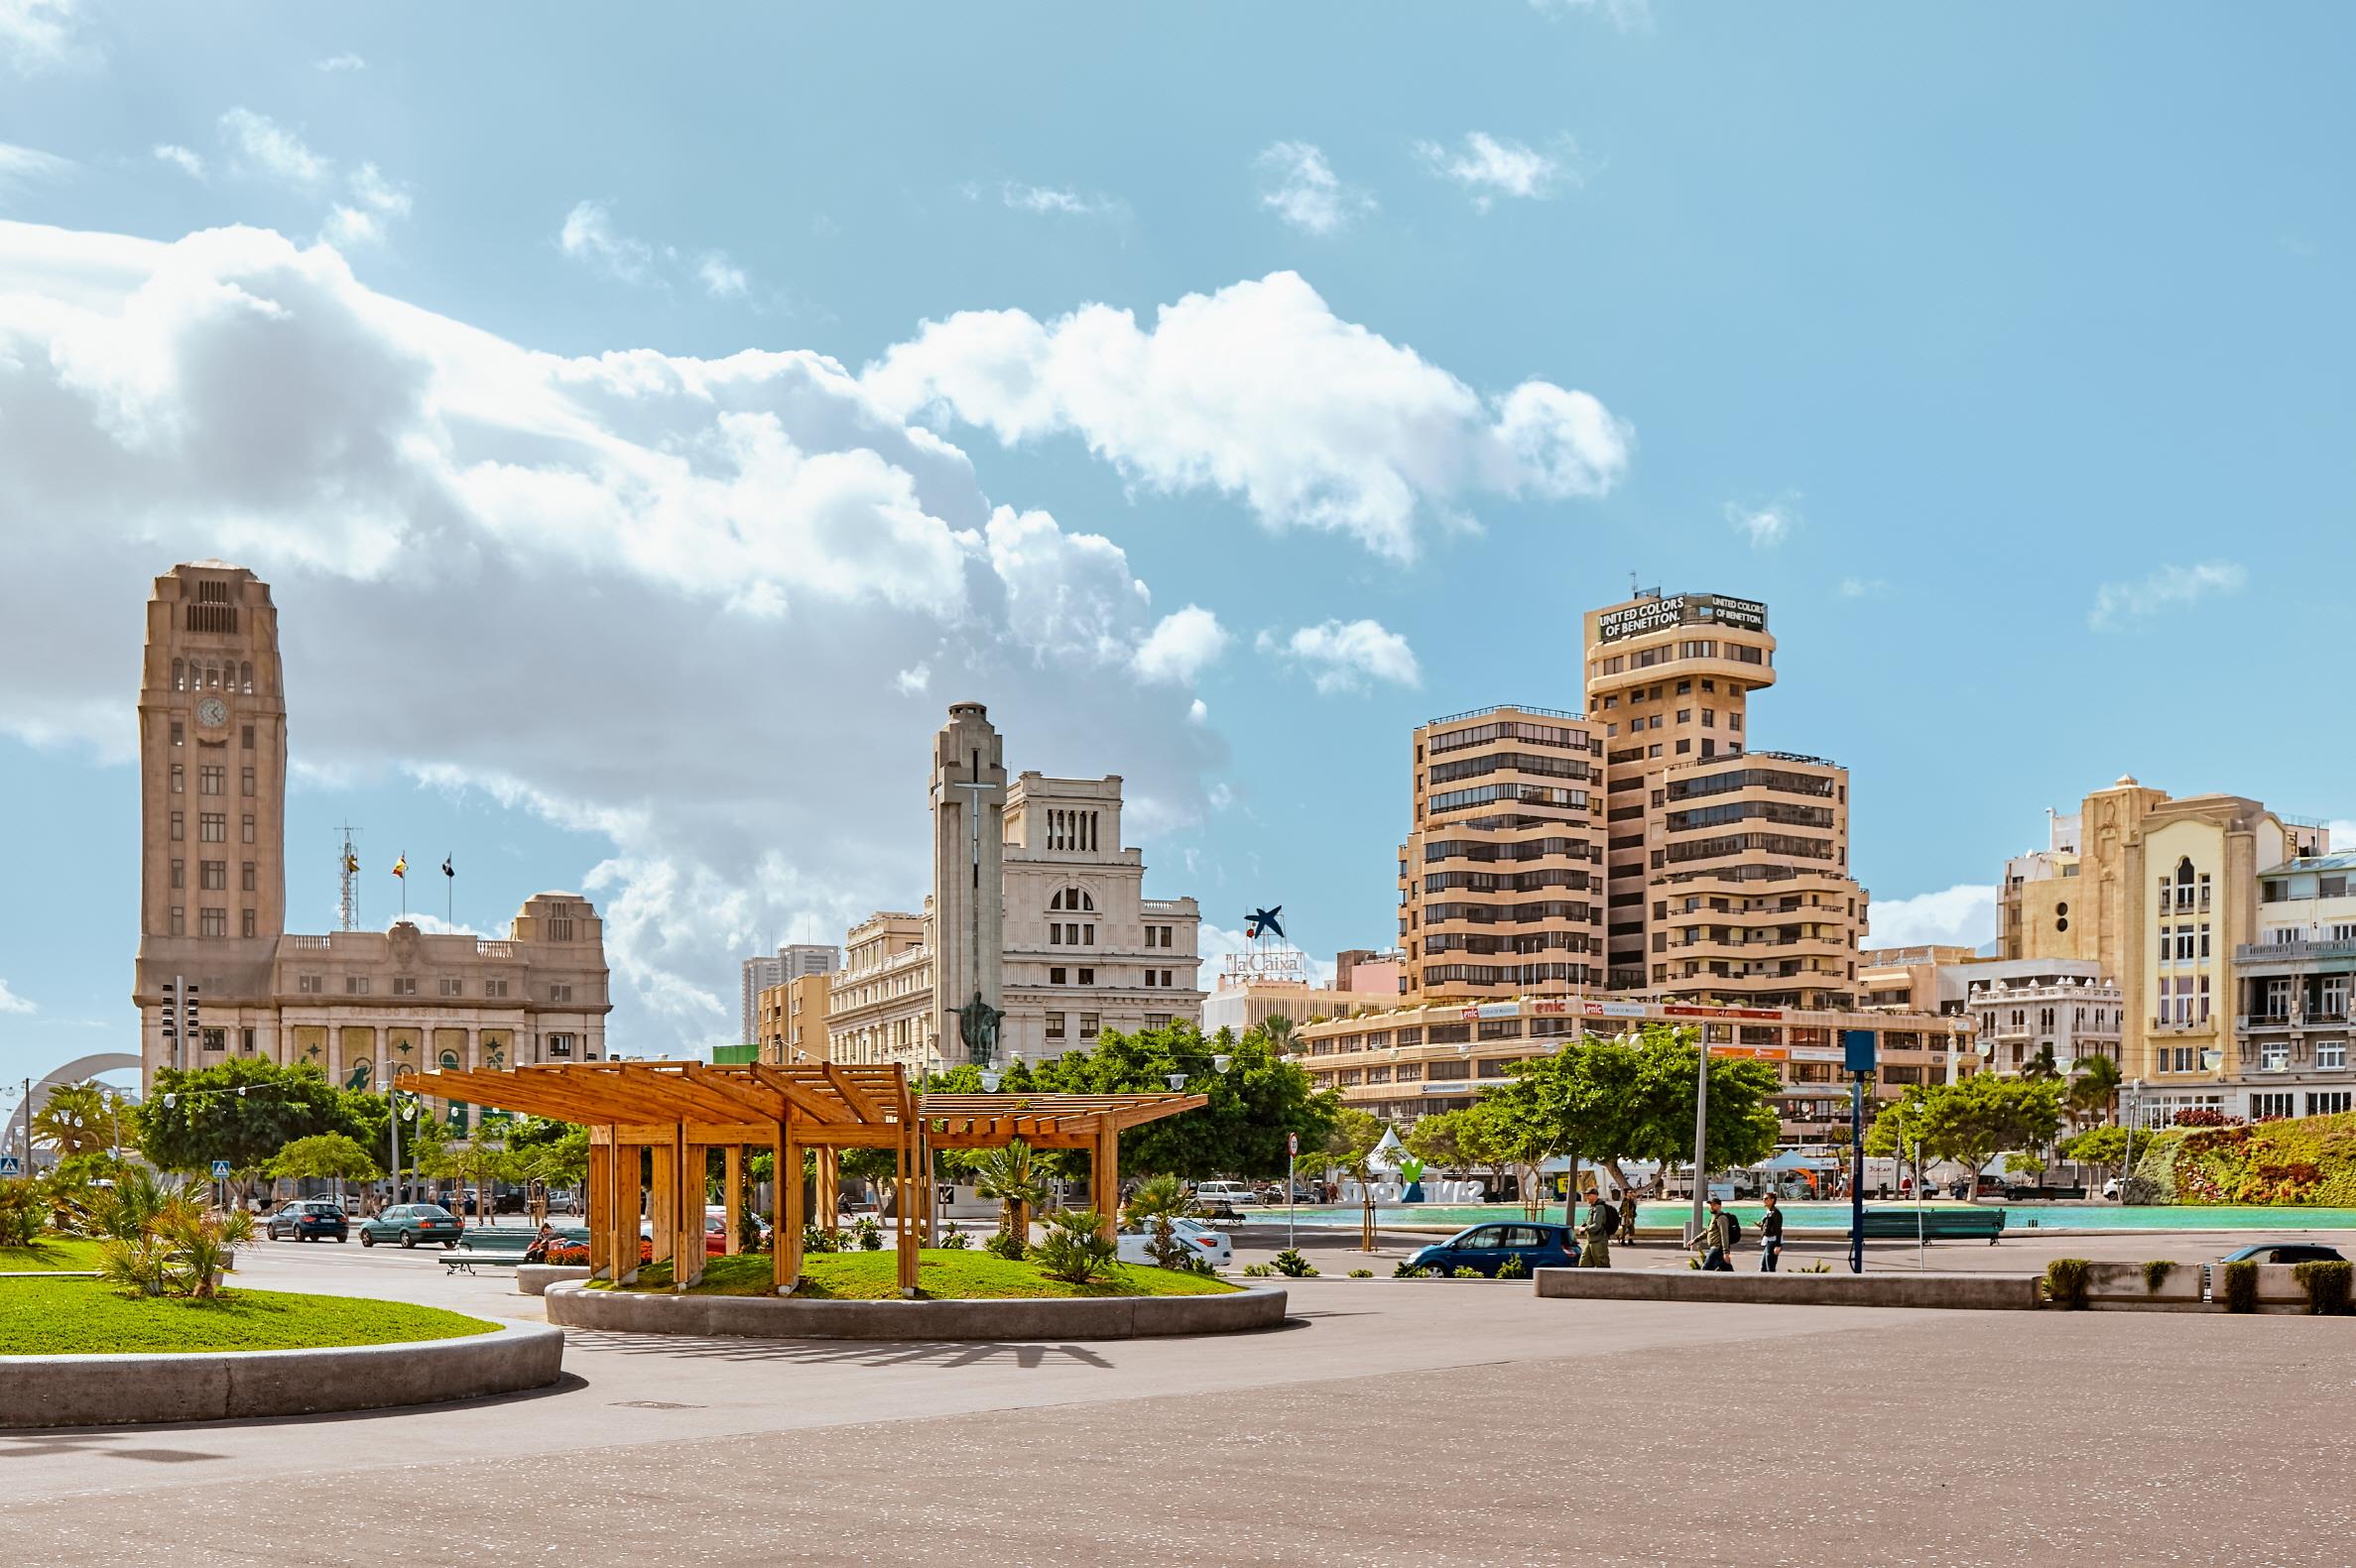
column 688, row 1253
column 621, row 1209
column 904, row 1210
column 789, row 1216
column 660, row 1210
column 733, row 1179
column 829, row 1207
column 600, row 1184
column 1104, row 1177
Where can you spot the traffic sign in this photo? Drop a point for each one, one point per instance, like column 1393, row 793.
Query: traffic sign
column 221, row 1170
column 10, row 1166
column 1292, row 1142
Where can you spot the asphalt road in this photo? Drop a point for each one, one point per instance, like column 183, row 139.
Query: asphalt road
column 1418, row 1422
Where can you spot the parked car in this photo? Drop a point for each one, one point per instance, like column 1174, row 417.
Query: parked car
column 1484, row 1248
column 411, row 1223
column 1137, row 1242
column 309, row 1221
column 1233, row 1193
column 2284, row 1253
column 716, row 1228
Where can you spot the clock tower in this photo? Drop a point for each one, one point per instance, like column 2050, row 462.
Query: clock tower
column 213, row 764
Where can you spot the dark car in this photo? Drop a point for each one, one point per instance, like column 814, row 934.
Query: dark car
column 1484, row 1248
column 2285, row 1252
column 412, row 1223
column 310, row 1222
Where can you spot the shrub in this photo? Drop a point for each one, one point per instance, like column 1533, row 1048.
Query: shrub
column 1292, row 1265
column 2066, row 1283
column 1366, row 1273
column 956, row 1242
column 1076, row 1248
column 569, row 1257
column 138, row 1264
column 1466, row 1273
column 2156, row 1273
column 1257, row 1272
column 1817, row 1267
column 2326, row 1284
column 871, row 1237
column 1196, row 1264
column 2238, row 1287
column 23, row 1214
column 1408, row 1271
column 1514, row 1267
column 819, row 1239
column 1006, row 1245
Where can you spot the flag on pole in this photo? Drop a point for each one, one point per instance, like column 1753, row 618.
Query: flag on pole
column 401, row 867
column 446, row 867
column 352, row 862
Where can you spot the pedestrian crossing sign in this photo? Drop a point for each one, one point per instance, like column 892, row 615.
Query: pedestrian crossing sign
column 10, row 1166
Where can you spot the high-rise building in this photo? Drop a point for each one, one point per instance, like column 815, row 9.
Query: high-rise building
column 2292, row 984
column 1728, row 868
column 1501, row 878
column 758, row 974
column 793, row 1021
column 2160, row 894
column 1035, row 907
column 794, row 960
column 361, row 1005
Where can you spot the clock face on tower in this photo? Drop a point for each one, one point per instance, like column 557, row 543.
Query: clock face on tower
column 213, row 713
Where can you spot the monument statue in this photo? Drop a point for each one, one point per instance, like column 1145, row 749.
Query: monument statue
column 978, row 1023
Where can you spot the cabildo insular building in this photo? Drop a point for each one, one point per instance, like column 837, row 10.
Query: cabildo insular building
column 364, row 1006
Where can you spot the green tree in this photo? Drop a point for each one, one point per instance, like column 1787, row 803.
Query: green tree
column 2103, row 1147
column 1241, row 1132
column 1010, row 1175
column 243, row 1110
column 479, row 1162
column 86, row 1118
column 2093, row 1089
column 1970, row 1120
column 1897, row 1133
column 323, row 1157
column 1438, row 1140
column 1350, row 1143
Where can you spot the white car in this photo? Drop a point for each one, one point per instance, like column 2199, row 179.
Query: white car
column 1234, row 1193
column 1137, row 1242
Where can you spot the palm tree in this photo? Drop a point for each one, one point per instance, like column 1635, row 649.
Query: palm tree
column 2093, row 1088
column 1013, row 1178
column 1157, row 1201
column 76, row 1119
column 2041, row 1065
column 1278, row 1031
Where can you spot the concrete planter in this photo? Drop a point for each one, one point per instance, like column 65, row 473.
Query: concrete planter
column 2278, row 1290
column 2119, row 1287
column 1970, row 1291
column 240, row 1386
column 535, row 1278
column 784, row 1317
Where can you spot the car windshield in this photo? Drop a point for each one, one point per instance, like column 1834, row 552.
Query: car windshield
column 326, row 1211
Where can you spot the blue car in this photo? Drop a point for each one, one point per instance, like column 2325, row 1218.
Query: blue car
column 1484, row 1248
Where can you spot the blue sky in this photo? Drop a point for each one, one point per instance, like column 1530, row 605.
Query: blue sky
column 1318, row 365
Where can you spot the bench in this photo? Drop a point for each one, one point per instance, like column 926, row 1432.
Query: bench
column 1935, row 1225
column 503, row 1250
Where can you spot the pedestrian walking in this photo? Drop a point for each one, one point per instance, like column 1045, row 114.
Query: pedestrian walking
column 1771, row 1236
column 1595, row 1237
column 1717, row 1239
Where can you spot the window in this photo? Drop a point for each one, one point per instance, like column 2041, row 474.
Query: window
column 2330, row 1057
column 565, row 993
column 1088, row 1030
column 2274, row 1056
column 246, row 923
column 245, row 1042
column 309, row 985
column 1055, row 1029
column 216, row 922
column 2266, row 1105
column 179, row 874
column 1056, row 972
column 357, row 986
column 246, row 780
column 213, row 1040
column 180, row 928
column 1165, row 977
column 1088, row 978
column 1160, row 1021
column 1071, row 898
column 2330, row 1103
column 245, row 739
column 560, row 1047
column 498, row 987
column 180, row 786
column 1709, row 721
column 212, row 827
column 407, row 986
column 1685, row 717
column 211, row 777
column 247, row 836
column 212, row 874
column 180, row 831
column 245, row 876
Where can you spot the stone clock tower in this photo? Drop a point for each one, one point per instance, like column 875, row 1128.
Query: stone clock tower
column 212, row 763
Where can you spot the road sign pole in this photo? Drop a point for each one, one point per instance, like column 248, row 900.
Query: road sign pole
column 1292, row 1160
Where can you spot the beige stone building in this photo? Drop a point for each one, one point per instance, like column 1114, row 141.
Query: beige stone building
column 2159, row 894
column 2293, row 991
column 1927, row 978
column 1501, row 879
column 1064, row 941
column 2025, row 1009
column 790, row 1019
column 361, row 1005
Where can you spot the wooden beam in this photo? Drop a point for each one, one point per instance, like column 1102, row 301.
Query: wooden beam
column 829, row 1207
column 865, row 1109
column 687, row 1248
column 659, row 1208
column 732, row 1182
column 810, row 1102
column 1107, row 1169
column 624, row 1212
column 752, row 1099
column 789, row 1216
column 904, row 1206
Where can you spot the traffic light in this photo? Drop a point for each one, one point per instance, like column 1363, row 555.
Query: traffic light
column 180, row 1012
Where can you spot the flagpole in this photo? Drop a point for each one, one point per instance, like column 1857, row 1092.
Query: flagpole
column 449, row 894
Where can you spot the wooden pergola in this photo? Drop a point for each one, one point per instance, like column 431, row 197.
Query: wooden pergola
column 676, row 1111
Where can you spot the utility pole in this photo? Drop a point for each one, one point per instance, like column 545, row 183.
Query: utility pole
column 1701, row 1132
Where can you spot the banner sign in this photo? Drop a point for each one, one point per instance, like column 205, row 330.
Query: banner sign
column 1681, row 609
column 1288, row 964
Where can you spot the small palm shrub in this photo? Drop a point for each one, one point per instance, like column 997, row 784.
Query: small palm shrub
column 2156, row 1274
column 819, row 1239
column 1361, row 1273
column 1006, row 1245
column 1257, row 1272
column 871, row 1237
column 2066, row 1283
column 1408, row 1271
column 23, row 1214
column 1514, row 1267
column 1076, row 1250
column 1292, row 1265
column 1466, row 1273
column 956, row 1242
column 138, row 1264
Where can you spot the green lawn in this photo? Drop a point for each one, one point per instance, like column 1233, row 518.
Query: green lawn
column 943, row 1275
column 83, row 1317
column 49, row 1254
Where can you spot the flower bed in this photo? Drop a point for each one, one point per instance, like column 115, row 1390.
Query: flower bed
column 2303, row 1161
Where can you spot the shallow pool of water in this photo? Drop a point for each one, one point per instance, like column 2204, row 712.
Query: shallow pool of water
column 1835, row 1216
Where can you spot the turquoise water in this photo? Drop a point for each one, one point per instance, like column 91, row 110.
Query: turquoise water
column 1835, row 1216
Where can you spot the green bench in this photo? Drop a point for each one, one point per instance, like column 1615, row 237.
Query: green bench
column 502, row 1249
column 1934, row 1225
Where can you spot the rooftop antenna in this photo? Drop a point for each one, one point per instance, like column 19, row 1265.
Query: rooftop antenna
column 347, row 877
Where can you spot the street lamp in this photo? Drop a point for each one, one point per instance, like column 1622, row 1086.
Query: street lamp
column 2130, row 1098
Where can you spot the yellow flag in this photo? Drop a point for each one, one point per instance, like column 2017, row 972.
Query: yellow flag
column 401, row 868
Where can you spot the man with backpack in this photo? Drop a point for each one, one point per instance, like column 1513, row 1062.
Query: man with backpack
column 1717, row 1239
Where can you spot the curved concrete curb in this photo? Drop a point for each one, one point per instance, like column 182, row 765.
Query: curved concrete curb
column 240, row 1386
column 535, row 1278
column 783, row 1317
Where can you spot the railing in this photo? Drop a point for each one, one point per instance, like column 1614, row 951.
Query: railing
column 494, row 947
column 2292, row 952
column 1504, row 707
column 316, row 943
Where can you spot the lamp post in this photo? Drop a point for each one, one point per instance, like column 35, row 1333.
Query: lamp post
column 1701, row 1132
column 2128, row 1104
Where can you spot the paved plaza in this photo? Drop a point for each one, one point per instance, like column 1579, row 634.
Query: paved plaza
column 1458, row 1422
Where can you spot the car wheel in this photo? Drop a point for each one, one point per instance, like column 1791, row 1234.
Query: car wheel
column 342, row 1238
column 408, row 1240
column 367, row 1237
column 449, row 1247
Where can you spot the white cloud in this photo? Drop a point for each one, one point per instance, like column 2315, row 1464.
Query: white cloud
column 265, row 146
column 42, row 34
column 589, row 236
column 1345, row 655
column 1863, row 587
column 1197, row 712
column 187, row 160
column 23, row 166
column 416, row 488
column 1045, row 198
column 721, row 278
column 10, row 1002
column 335, row 63
column 1964, row 916
column 1489, row 167
column 913, row 681
column 1299, row 186
column 1182, row 647
column 1765, row 527
column 1260, row 391
column 2342, row 832
column 2120, row 605
column 1626, row 15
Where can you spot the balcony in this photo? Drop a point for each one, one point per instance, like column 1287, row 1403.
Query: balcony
column 2294, row 952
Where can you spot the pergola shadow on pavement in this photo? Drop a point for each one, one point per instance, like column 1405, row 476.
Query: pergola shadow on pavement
column 651, row 1123
column 835, row 1352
